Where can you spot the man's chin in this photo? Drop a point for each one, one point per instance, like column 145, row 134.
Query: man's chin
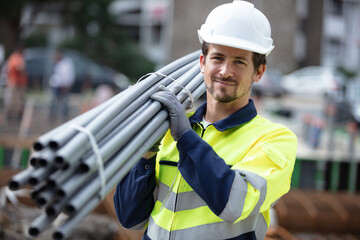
column 224, row 98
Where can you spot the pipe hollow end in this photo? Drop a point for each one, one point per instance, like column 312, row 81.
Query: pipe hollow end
column 53, row 145
column 59, row 160
column 70, row 209
column 60, row 193
column 14, row 185
column 51, row 183
column 41, row 201
column 50, row 211
column 58, row 235
column 33, row 181
column 38, row 146
column 43, row 162
column 83, row 168
column 33, row 162
column 33, row 231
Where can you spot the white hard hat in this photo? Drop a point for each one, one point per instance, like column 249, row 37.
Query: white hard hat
column 240, row 25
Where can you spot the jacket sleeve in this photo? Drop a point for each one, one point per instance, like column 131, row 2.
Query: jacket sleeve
column 133, row 198
column 233, row 193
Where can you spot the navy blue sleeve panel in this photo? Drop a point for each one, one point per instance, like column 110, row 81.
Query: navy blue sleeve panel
column 134, row 198
column 205, row 171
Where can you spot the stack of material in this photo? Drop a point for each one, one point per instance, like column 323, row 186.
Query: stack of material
column 74, row 166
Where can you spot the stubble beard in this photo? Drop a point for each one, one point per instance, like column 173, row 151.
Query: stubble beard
column 223, row 94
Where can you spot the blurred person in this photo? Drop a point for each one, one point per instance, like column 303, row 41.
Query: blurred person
column 218, row 171
column 91, row 98
column 16, row 84
column 61, row 81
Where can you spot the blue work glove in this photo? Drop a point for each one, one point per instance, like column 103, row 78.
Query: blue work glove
column 179, row 122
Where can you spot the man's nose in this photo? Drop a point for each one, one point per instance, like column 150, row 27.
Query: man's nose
column 226, row 70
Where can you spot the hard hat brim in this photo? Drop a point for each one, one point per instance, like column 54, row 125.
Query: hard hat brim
column 234, row 42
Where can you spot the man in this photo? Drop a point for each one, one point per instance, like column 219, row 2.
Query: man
column 61, row 81
column 16, row 84
column 219, row 172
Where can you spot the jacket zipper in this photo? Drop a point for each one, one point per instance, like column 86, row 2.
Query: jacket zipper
column 172, row 236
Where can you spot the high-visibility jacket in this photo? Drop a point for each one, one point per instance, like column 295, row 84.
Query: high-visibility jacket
column 214, row 183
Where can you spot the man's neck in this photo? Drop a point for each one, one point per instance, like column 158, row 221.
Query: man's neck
column 216, row 111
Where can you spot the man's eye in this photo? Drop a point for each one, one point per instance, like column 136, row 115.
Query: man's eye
column 217, row 58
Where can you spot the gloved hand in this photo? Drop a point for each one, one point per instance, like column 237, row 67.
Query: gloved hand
column 155, row 147
column 179, row 122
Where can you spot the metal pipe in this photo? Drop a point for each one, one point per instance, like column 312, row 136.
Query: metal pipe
column 65, row 229
column 39, row 224
column 125, row 127
column 40, row 174
column 60, row 176
column 21, row 179
column 34, row 159
column 44, row 197
column 57, row 206
column 110, row 148
column 199, row 77
column 90, row 161
column 45, row 139
column 114, row 165
column 46, row 157
column 80, row 141
column 121, row 136
column 39, row 188
column 133, row 92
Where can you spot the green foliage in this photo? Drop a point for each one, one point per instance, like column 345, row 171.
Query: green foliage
column 35, row 40
column 106, row 44
column 11, row 10
column 96, row 32
column 347, row 73
column 114, row 50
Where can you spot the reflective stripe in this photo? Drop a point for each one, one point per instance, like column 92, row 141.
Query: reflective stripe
column 216, row 231
column 186, row 200
column 233, row 209
column 261, row 227
column 258, row 183
column 140, row 226
column 235, row 204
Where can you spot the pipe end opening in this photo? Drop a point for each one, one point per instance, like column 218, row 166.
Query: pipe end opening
column 33, row 231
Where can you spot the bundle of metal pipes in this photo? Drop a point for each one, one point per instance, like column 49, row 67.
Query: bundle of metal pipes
column 78, row 163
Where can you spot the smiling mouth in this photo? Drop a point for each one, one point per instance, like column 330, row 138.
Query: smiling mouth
column 225, row 82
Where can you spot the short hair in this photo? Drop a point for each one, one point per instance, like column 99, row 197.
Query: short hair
column 258, row 59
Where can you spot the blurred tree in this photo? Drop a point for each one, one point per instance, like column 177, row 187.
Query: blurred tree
column 10, row 16
column 100, row 38
column 96, row 33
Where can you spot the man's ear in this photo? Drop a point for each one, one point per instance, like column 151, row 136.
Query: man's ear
column 202, row 63
column 259, row 72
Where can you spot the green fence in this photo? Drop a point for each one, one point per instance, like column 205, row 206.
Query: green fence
column 6, row 154
column 326, row 175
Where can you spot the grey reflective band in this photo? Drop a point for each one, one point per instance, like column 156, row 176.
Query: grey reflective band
column 140, row 226
column 189, row 200
column 218, row 231
column 232, row 211
column 235, row 205
column 258, row 183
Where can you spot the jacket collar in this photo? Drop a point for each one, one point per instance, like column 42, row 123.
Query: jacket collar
column 239, row 117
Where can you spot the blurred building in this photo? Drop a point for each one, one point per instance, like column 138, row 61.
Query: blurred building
column 321, row 32
column 149, row 22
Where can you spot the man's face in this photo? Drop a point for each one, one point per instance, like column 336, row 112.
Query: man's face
column 229, row 73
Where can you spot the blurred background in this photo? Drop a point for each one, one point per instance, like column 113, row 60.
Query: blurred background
column 311, row 85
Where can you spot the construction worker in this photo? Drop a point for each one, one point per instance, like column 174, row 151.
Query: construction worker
column 17, row 81
column 217, row 173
